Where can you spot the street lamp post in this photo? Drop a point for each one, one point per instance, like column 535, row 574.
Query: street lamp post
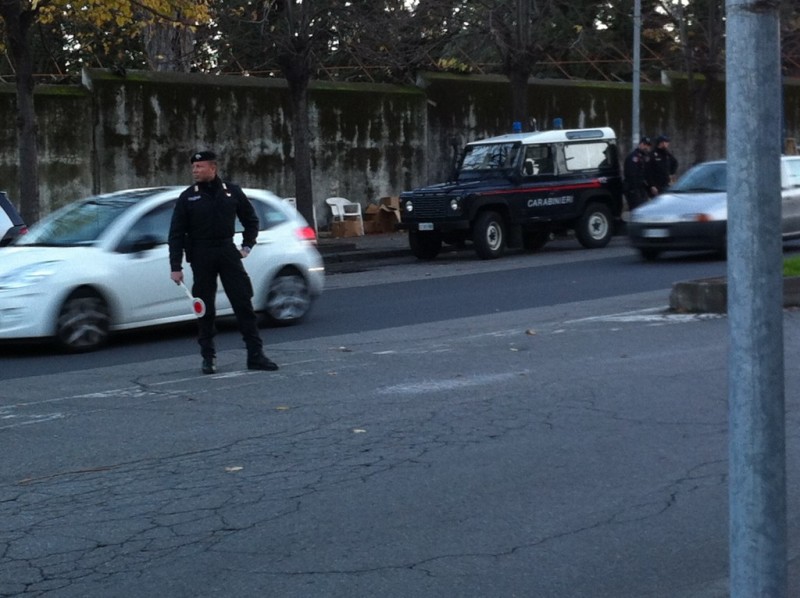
column 637, row 35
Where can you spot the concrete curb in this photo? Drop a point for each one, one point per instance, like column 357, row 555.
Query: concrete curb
column 710, row 295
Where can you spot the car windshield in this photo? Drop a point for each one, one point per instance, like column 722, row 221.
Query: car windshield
column 82, row 222
column 708, row 177
column 490, row 157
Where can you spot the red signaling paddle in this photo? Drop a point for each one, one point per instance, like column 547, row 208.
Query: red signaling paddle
column 198, row 305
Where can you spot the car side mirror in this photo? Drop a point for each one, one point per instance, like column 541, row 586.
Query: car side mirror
column 140, row 244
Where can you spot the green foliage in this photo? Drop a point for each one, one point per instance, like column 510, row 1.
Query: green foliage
column 791, row 266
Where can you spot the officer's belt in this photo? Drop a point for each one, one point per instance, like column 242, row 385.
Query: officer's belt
column 211, row 242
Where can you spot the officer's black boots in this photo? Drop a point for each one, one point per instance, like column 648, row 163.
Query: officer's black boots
column 259, row 361
column 256, row 361
column 209, row 365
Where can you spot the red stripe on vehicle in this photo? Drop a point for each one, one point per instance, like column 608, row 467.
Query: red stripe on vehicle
column 595, row 184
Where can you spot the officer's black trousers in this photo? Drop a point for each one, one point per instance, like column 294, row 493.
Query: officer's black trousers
column 636, row 196
column 224, row 261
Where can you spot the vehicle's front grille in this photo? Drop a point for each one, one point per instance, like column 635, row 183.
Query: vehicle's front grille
column 429, row 206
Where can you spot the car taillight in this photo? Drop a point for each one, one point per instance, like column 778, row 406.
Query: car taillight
column 307, row 233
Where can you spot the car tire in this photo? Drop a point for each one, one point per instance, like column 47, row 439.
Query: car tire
column 83, row 323
column 649, row 255
column 288, row 299
column 424, row 246
column 596, row 226
column 489, row 235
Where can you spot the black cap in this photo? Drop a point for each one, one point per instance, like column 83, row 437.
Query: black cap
column 646, row 141
column 204, row 156
column 661, row 138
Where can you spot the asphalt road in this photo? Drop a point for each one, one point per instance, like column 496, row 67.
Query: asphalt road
column 405, row 292
column 572, row 447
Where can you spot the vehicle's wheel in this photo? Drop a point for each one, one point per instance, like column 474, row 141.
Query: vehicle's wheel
column 288, row 299
column 535, row 240
column 424, row 246
column 83, row 322
column 649, row 254
column 596, row 227
column 489, row 235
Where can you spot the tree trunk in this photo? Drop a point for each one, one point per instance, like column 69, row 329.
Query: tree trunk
column 168, row 48
column 18, row 24
column 519, row 98
column 298, row 93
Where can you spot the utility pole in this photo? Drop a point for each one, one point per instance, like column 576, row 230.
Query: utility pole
column 637, row 73
column 757, row 443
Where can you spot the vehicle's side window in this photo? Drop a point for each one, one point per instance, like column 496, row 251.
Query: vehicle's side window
column 538, row 160
column 587, row 156
column 268, row 216
column 153, row 226
column 793, row 170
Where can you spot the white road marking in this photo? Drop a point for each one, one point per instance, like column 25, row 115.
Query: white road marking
column 449, row 384
column 651, row 315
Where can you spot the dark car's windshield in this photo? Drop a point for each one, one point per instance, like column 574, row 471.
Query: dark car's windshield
column 707, row 177
column 82, row 222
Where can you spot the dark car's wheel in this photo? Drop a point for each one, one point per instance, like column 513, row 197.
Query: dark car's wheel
column 535, row 240
column 649, row 254
column 489, row 235
column 596, row 227
column 288, row 299
column 424, row 245
column 83, row 323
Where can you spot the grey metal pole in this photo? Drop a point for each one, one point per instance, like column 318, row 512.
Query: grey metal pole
column 637, row 73
column 757, row 492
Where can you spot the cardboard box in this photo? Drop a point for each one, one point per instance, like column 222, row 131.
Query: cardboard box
column 392, row 203
column 350, row 227
column 389, row 213
column 373, row 226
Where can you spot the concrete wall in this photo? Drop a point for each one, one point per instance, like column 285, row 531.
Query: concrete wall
column 368, row 140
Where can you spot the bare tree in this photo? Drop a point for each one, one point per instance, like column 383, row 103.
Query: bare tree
column 19, row 21
column 282, row 37
column 525, row 35
column 19, row 18
column 699, row 33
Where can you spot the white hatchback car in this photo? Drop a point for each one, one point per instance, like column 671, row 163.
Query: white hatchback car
column 101, row 265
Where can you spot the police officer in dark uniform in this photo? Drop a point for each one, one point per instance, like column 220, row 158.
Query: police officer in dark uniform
column 203, row 227
column 661, row 167
column 635, row 174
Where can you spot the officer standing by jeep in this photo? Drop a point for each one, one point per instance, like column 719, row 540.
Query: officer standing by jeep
column 203, row 225
column 635, row 173
column 661, row 167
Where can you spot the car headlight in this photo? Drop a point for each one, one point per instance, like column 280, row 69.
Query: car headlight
column 27, row 275
column 455, row 204
column 409, row 206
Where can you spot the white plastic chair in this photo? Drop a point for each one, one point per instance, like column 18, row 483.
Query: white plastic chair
column 342, row 209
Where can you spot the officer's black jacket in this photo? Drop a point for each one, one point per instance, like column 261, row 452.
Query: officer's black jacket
column 206, row 213
column 635, row 169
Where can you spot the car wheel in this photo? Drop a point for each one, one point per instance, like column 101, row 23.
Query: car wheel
column 649, row 255
column 424, row 246
column 489, row 235
column 288, row 299
column 83, row 323
column 536, row 240
column 595, row 228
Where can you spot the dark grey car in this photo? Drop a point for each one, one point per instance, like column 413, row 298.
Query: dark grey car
column 11, row 223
